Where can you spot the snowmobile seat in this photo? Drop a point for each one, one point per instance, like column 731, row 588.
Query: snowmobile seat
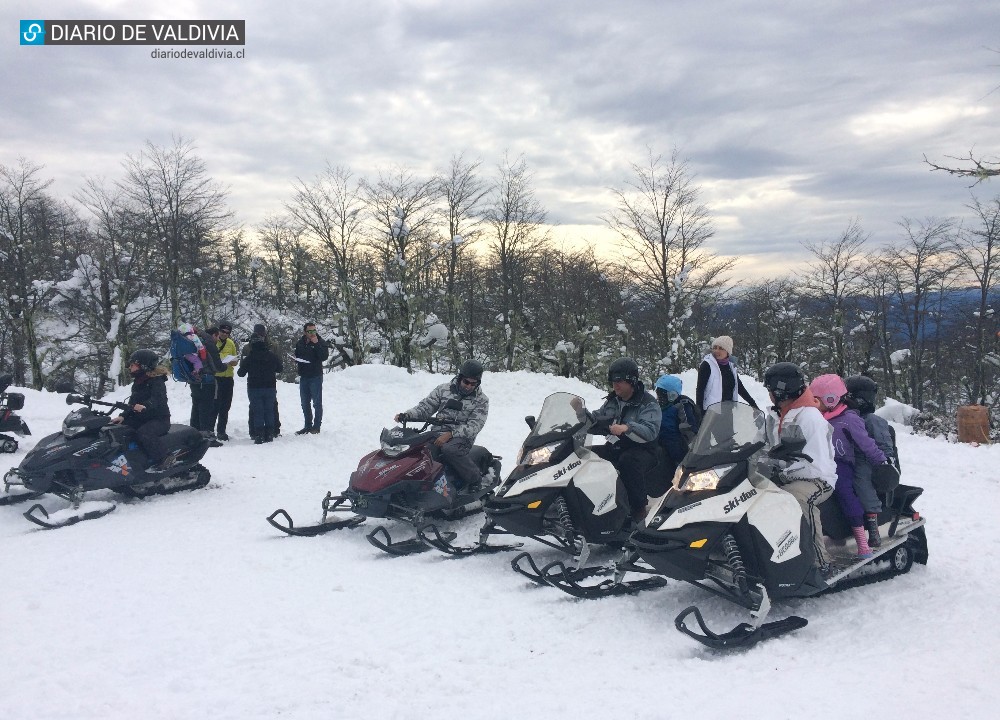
column 481, row 457
column 181, row 435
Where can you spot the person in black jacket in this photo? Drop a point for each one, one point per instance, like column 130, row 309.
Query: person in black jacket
column 310, row 353
column 148, row 410
column 260, row 366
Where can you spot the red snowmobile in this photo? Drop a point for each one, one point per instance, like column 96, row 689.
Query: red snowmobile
column 402, row 480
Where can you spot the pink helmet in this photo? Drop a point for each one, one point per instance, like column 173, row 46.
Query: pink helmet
column 829, row 389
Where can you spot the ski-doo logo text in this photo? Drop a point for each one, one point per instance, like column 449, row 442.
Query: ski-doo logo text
column 738, row 499
column 83, row 451
column 562, row 471
column 605, row 501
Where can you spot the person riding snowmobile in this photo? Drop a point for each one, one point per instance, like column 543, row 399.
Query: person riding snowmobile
column 149, row 412
column 630, row 417
column 455, row 442
column 795, row 414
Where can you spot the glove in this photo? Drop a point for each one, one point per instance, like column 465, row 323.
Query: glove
column 402, row 417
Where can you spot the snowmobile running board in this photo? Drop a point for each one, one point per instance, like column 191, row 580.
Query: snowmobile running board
column 31, row 514
column 744, row 635
column 311, row 530
column 432, row 537
column 380, row 538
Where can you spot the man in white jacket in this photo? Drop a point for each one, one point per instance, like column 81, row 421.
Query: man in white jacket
column 797, row 415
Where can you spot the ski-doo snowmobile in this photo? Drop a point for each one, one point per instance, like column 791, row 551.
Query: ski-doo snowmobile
column 402, row 480
column 9, row 420
column 727, row 527
column 563, row 495
column 90, row 454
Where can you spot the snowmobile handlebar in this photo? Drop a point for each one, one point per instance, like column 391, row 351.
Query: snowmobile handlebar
column 90, row 402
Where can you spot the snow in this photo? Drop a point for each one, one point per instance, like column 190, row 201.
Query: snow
column 192, row 606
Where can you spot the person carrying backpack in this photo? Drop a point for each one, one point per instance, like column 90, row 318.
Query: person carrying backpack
column 195, row 359
column 679, row 423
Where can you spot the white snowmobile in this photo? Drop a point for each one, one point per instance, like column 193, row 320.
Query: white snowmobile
column 563, row 495
column 725, row 526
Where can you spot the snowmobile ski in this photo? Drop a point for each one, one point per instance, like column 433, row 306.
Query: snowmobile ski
column 312, row 530
column 380, row 538
column 431, row 536
column 70, row 516
column 13, row 498
column 559, row 576
column 744, row 635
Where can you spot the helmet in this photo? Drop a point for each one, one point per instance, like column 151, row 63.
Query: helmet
column 668, row 386
column 862, row 389
column 472, row 369
column 145, row 359
column 785, row 381
column 623, row 369
column 829, row 389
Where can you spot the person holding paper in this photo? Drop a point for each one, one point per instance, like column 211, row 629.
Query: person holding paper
column 224, row 380
column 310, row 353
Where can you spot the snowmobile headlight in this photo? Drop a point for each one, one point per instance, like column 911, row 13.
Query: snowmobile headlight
column 540, row 456
column 72, row 430
column 706, row 479
column 394, row 450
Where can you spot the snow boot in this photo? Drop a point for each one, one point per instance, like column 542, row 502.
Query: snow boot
column 871, row 525
column 859, row 535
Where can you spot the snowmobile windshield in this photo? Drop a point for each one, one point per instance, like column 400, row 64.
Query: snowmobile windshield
column 729, row 431
column 562, row 414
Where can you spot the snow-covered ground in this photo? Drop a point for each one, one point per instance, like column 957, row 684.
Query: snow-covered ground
column 192, row 606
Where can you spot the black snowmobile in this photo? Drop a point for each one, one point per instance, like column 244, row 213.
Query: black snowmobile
column 727, row 527
column 90, row 454
column 562, row 495
column 402, row 480
column 9, row 420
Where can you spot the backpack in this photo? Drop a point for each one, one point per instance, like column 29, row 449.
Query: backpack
column 691, row 420
column 182, row 369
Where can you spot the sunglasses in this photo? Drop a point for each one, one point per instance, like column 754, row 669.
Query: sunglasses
column 470, row 383
column 310, row 332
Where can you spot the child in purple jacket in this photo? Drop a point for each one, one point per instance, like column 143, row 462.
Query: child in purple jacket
column 849, row 436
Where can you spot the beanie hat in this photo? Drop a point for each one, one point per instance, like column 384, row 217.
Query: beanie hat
column 725, row 342
column 260, row 330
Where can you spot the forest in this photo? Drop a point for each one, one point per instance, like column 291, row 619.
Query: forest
column 423, row 272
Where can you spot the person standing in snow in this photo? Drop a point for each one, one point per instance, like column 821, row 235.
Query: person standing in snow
column 260, row 366
column 457, row 439
column 850, row 440
column 224, row 381
column 795, row 415
column 311, row 352
column 260, row 331
column 718, row 378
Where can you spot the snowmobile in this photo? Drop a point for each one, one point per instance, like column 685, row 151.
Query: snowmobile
column 563, row 495
column 402, row 480
column 9, row 420
column 90, row 454
column 727, row 527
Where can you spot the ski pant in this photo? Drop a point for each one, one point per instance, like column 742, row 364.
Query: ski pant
column 223, row 402
column 455, row 454
column 635, row 466
column 262, row 402
column 810, row 493
column 864, row 488
column 311, row 396
column 203, row 406
column 848, row 499
column 150, row 436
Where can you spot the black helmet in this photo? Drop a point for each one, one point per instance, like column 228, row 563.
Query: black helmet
column 863, row 390
column 623, row 369
column 145, row 359
column 472, row 369
column 785, row 381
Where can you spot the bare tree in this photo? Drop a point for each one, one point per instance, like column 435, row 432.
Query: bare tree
column 183, row 207
column 978, row 251
column 401, row 207
column 978, row 168
column 330, row 211
column 830, row 279
column 922, row 268
column 515, row 221
column 664, row 227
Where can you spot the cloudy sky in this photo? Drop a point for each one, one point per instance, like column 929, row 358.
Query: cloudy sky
column 795, row 118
